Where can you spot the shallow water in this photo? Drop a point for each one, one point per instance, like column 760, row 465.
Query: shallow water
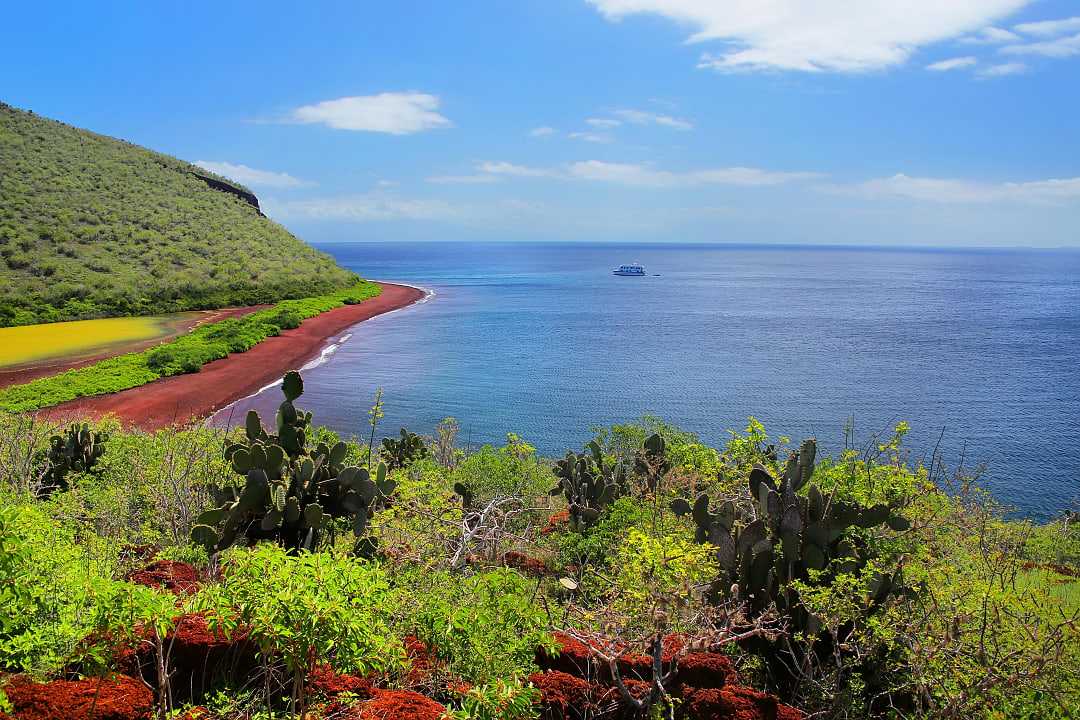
column 541, row 340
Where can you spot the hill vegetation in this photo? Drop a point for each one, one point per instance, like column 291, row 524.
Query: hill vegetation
column 91, row 226
column 278, row 572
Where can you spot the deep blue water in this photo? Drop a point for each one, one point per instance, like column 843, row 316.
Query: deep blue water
column 541, row 340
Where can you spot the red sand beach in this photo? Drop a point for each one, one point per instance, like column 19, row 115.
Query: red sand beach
column 180, row 399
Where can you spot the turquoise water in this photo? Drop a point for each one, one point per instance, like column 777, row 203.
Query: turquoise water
column 541, row 340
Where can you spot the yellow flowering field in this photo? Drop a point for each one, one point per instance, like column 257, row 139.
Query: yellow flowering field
column 49, row 341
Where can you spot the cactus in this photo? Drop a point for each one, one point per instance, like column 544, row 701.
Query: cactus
column 791, row 535
column 795, row 530
column 399, row 453
column 651, row 463
column 589, row 484
column 291, row 492
column 78, row 450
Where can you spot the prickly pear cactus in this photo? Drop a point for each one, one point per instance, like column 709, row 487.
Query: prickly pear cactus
column 291, row 493
column 77, row 450
column 399, row 453
column 589, row 484
column 790, row 534
column 651, row 463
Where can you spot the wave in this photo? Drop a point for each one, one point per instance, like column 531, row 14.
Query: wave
column 328, row 351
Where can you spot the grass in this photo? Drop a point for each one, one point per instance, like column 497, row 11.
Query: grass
column 185, row 354
column 31, row 343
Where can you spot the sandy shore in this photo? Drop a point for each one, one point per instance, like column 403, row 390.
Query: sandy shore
column 183, row 398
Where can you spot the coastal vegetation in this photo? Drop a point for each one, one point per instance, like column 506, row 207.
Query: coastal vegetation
column 29, row 343
column 91, row 226
column 278, row 570
column 185, row 354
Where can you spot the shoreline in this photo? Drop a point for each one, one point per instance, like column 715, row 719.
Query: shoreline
column 181, row 399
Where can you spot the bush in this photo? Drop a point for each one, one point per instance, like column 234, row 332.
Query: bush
column 306, row 608
column 52, row 583
column 510, row 471
column 484, row 628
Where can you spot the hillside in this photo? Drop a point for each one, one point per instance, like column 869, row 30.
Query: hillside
column 91, row 226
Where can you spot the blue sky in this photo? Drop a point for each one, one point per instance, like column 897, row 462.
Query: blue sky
column 922, row 122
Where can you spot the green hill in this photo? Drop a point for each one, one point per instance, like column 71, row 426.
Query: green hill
column 91, row 226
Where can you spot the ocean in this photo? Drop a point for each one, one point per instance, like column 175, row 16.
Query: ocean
column 978, row 349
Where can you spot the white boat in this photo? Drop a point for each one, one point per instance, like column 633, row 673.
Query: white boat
column 632, row 270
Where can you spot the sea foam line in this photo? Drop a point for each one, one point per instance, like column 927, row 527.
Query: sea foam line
column 327, row 352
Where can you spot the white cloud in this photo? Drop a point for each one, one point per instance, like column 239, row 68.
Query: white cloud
column 463, row 179
column 640, row 117
column 603, row 122
column 819, row 35
column 1004, row 69
column 952, row 64
column 990, row 36
column 365, row 208
column 1049, row 28
column 646, row 176
column 542, row 131
column 250, row 176
column 946, row 190
column 387, row 183
column 1061, row 47
column 505, row 168
column 593, row 137
column 750, row 177
column 393, row 113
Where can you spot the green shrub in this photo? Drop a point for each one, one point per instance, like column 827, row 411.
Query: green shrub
column 52, row 582
column 304, row 608
column 660, row 572
column 598, row 545
column 510, row 471
column 484, row 628
column 502, row 700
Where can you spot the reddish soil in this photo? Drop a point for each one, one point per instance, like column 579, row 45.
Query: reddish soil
column 324, row 681
column 400, row 705
column 422, row 663
column 52, row 366
column 1053, row 567
column 562, row 694
column 525, row 563
column 704, row 670
column 573, row 657
column 198, row 660
column 556, row 522
column 117, row 698
column 577, row 685
column 737, row 703
column 178, row 578
column 183, row 398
